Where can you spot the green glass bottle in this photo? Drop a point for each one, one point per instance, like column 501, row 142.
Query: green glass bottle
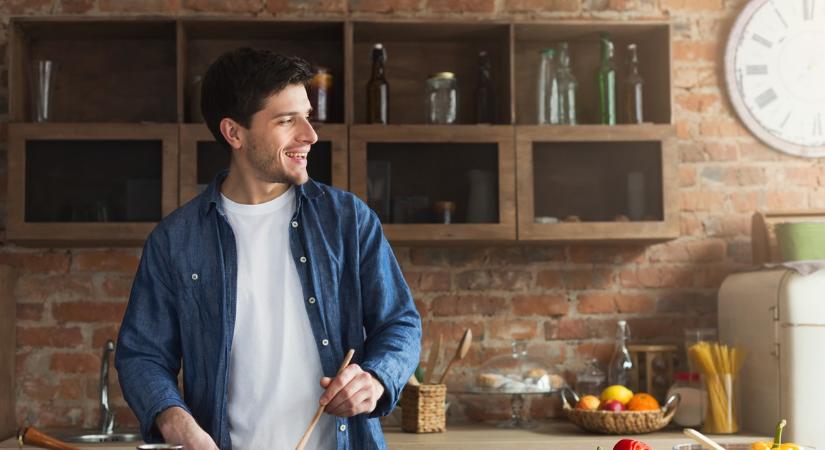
column 607, row 83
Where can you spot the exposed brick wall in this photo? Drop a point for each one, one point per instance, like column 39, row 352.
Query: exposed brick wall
column 564, row 300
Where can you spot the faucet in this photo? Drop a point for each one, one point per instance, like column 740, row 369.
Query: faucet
column 107, row 416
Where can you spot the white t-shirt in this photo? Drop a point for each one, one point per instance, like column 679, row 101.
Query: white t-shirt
column 274, row 366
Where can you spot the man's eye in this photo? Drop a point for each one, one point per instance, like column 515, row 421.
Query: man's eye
column 286, row 121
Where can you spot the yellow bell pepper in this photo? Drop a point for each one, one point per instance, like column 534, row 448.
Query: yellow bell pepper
column 777, row 441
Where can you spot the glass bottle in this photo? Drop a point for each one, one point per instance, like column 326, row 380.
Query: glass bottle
column 485, row 94
column 618, row 372
column 567, row 87
column 633, row 88
column 378, row 90
column 319, row 94
column 592, row 380
column 607, row 83
column 442, row 98
column 548, row 89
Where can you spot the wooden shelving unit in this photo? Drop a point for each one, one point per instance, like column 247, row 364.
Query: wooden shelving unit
column 130, row 80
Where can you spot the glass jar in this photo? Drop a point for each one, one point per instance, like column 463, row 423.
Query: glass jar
column 516, row 373
column 320, row 87
column 442, row 98
column 694, row 403
column 592, row 380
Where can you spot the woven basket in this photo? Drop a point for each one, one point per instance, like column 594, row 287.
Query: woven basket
column 624, row 422
column 422, row 408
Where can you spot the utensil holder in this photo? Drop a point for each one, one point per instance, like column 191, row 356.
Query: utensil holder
column 422, row 408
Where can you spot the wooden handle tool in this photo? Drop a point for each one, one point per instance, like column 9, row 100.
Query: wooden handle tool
column 317, row 417
column 34, row 437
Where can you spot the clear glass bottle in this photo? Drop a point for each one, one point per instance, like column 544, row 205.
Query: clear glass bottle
column 567, row 87
column 378, row 90
column 633, row 84
column 319, row 94
column 485, row 92
column 442, row 98
column 607, row 83
column 548, row 88
column 618, row 372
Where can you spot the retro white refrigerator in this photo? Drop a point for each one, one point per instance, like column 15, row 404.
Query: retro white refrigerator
column 778, row 317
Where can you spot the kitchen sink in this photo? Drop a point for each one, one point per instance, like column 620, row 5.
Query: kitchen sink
column 100, row 438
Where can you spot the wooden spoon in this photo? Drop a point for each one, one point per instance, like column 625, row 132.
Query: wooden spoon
column 303, row 442
column 460, row 353
column 705, row 441
column 432, row 360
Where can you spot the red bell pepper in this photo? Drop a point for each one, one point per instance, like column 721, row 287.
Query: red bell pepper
column 630, row 444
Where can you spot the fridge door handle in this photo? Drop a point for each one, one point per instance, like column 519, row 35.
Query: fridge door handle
column 775, row 315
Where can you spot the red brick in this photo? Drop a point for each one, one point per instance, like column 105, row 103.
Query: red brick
column 597, row 303
column 428, row 281
column 88, row 311
column 77, row 6
column 702, row 201
column 700, row 6
column 541, row 305
column 117, row 286
column 523, row 254
column 712, row 277
column 102, row 334
column 591, row 278
column 657, row 277
column 691, row 152
column 126, row 418
column 223, row 6
column 611, row 254
column 75, row 363
column 575, row 329
column 422, row 306
column 619, row 5
column 684, row 130
column 695, row 51
column 38, row 288
column 461, row 305
column 452, row 330
column 29, row 311
column 720, row 152
column 143, row 6
column 106, row 260
column 718, row 127
column 784, row 200
column 549, row 279
column 634, row 303
column 534, row 6
column 729, row 225
column 508, row 328
column 746, row 202
column 38, row 262
column 493, row 279
column 804, row 176
column 697, row 102
column 687, row 176
column 690, row 225
column 757, row 151
column 384, row 6
column 462, row 6
column 745, row 176
column 314, row 6
column 14, row 7
column 704, row 250
column 48, row 336
column 46, row 390
column 425, row 256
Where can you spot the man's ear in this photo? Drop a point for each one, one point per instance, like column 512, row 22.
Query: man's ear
column 231, row 131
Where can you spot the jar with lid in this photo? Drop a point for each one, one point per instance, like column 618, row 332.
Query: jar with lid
column 320, row 87
column 592, row 380
column 694, row 403
column 442, row 98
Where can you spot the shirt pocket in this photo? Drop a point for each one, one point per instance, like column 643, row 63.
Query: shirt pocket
column 202, row 297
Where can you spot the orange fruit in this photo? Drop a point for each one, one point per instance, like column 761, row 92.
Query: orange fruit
column 642, row 402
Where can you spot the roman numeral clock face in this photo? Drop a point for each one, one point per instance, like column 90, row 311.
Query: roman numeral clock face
column 775, row 73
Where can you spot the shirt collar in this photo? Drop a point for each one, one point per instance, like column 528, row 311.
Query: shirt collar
column 212, row 194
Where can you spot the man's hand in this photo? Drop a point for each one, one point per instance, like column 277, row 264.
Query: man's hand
column 179, row 427
column 352, row 392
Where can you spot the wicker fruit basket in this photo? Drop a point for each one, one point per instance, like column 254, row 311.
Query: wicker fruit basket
column 624, row 422
column 422, row 408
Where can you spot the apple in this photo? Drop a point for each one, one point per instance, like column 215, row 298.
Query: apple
column 588, row 402
column 613, row 405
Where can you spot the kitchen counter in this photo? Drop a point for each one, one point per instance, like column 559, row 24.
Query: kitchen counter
column 556, row 435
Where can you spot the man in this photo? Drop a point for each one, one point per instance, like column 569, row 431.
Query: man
column 260, row 285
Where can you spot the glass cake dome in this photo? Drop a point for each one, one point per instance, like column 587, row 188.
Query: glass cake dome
column 516, row 373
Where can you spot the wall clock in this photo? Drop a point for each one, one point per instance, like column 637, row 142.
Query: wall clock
column 775, row 73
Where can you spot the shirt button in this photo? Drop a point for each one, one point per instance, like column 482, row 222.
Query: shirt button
column 303, row 259
column 325, row 342
column 194, row 277
column 343, row 428
column 294, row 224
column 312, row 300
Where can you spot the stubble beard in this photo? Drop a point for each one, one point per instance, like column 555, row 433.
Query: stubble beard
column 268, row 168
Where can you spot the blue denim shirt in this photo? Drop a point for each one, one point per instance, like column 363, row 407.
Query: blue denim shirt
column 181, row 310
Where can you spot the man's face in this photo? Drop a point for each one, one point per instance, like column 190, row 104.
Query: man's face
column 279, row 137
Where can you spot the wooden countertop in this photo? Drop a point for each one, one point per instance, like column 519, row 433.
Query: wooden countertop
column 556, row 435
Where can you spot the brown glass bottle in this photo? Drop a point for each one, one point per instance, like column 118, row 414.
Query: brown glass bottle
column 378, row 90
column 633, row 89
column 485, row 94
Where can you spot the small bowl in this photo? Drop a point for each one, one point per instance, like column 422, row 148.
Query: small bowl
column 728, row 447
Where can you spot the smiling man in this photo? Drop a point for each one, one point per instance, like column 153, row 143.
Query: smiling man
column 259, row 286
